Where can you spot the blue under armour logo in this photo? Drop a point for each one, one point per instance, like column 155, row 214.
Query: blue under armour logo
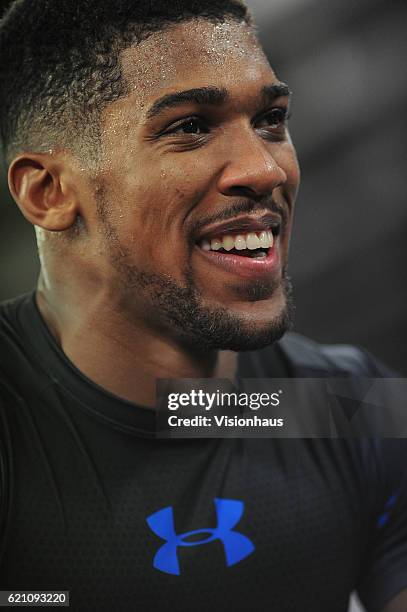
column 228, row 512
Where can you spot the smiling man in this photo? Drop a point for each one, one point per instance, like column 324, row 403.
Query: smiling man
column 147, row 143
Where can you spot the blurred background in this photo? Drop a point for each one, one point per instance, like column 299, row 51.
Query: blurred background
column 344, row 60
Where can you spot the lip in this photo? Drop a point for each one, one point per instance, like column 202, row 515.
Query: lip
column 245, row 267
column 242, row 225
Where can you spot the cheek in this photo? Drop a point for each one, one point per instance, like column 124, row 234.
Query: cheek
column 164, row 203
column 152, row 204
column 152, row 222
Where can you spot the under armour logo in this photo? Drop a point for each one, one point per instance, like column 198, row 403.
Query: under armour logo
column 384, row 518
column 228, row 511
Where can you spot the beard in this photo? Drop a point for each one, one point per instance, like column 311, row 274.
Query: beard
column 197, row 325
column 182, row 312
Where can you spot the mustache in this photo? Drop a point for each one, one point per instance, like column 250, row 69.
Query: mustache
column 241, row 207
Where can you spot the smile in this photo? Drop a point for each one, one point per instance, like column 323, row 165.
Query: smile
column 241, row 255
column 246, row 246
column 254, row 245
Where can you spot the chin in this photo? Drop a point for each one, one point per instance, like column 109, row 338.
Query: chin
column 254, row 316
column 259, row 307
column 216, row 328
column 254, row 335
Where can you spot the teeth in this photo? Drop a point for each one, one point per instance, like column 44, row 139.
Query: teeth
column 264, row 240
column 228, row 243
column 216, row 244
column 240, row 243
column 251, row 241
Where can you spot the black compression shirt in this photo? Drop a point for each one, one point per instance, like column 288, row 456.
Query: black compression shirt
column 90, row 502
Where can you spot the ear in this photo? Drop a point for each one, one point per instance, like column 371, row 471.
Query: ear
column 39, row 184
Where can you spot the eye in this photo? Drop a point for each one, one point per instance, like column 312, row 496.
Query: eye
column 192, row 125
column 275, row 118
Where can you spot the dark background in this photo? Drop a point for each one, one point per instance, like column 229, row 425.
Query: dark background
column 345, row 62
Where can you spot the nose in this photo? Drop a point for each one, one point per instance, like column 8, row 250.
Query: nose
column 251, row 169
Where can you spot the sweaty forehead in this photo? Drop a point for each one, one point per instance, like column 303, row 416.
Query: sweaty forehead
column 193, row 51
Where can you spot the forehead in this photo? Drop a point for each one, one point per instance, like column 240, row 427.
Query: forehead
column 194, row 54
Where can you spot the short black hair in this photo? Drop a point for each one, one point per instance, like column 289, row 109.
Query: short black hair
column 60, row 62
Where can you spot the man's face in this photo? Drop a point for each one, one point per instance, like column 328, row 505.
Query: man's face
column 198, row 179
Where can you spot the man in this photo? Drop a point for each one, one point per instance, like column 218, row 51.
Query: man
column 147, row 143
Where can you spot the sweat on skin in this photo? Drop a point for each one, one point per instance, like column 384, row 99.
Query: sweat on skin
column 135, row 284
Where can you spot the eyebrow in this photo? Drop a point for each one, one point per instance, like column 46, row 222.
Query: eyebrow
column 210, row 95
column 277, row 90
column 201, row 95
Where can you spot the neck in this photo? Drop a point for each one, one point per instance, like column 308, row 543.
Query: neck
column 119, row 354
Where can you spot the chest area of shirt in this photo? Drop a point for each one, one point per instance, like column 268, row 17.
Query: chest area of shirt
column 228, row 520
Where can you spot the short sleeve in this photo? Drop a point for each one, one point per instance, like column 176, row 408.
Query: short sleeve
column 385, row 567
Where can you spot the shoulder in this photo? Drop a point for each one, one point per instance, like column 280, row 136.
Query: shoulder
column 17, row 359
column 309, row 358
column 9, row 308
column 10, row 314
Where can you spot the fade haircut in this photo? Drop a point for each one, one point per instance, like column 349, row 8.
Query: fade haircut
column 60, row 63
